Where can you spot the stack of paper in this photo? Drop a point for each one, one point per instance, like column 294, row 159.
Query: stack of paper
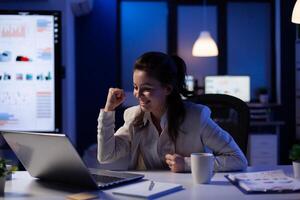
column 265, row 181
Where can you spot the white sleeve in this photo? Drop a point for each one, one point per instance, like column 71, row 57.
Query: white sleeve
column 111, row 145
column 228, row 155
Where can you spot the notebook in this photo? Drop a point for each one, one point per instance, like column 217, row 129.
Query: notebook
column 275, row 181
column 148, row 189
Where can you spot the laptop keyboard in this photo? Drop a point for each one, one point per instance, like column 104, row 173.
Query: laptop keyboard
column 105, row 179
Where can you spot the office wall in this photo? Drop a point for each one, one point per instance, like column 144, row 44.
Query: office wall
column 96, row 67
column 248, row 38
column 191, row 21
column 249, row 43
column 141, row 31
column 68, row 97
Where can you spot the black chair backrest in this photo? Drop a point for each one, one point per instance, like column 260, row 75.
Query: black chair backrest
column 230, row 113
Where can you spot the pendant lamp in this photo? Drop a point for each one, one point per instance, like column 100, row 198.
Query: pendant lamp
column 205, row 46
column 296, row 13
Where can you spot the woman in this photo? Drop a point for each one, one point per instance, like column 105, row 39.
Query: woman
column 162, row 131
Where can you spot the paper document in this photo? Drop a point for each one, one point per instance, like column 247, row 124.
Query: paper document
column 148, row 189
column 265, row 181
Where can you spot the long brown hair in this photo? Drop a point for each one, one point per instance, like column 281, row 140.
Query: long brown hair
column 168, row 70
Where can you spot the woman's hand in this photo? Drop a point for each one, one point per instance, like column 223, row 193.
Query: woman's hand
column 175, row 162
column 115, row 97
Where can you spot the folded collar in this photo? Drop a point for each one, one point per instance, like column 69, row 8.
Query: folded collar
column 163, row 120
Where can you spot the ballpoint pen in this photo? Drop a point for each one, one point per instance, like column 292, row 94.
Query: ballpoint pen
column 151, row 185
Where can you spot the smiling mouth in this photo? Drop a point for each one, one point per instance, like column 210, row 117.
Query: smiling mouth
column 144, row 103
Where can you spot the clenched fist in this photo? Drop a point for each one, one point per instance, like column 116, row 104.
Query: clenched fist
column 115, row 97
column 175, row 162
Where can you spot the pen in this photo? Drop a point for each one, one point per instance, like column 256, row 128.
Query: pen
column 151, row 185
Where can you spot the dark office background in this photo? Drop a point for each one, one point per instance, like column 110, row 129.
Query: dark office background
column 95, row 56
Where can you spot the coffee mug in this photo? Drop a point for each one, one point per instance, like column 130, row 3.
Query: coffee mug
column 202, row 165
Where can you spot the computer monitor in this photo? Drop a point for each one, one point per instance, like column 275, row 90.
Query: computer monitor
column 30, row 60
column 238, row 86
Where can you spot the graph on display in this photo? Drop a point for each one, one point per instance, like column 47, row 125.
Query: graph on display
column 29, row 57
column 7, row 118
column 23, row 110
column 12, row 31
column 44, row 104
column 24, row 77
column 10, row 100
column 45, row 54
column 14, row 98
column 43, row 25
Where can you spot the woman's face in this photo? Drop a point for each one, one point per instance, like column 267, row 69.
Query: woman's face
column 150, row 93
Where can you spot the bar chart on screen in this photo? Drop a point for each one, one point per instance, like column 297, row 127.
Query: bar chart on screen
column 7, row 118
column 28, row 61
column 13, row 31
column 26, row 109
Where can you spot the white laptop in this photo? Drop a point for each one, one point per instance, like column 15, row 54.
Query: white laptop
column 52, row 157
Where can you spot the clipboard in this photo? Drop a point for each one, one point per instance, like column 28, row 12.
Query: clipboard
column 264, row 182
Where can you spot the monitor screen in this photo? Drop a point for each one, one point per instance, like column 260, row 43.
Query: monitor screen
column 238, row 86
column 29, row 59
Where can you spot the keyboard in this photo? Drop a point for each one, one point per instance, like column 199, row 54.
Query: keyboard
column 105, row 179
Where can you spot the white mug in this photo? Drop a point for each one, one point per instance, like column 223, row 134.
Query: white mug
column 202, row 165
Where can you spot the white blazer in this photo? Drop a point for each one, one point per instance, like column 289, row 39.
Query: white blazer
column 198, row 133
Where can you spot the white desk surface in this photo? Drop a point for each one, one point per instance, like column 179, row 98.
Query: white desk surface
column 23, row 186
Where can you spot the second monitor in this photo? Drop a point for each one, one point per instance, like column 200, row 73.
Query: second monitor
column 238, row 86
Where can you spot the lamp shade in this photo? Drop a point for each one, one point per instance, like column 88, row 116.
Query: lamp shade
column 205, row 46
column 296, row 13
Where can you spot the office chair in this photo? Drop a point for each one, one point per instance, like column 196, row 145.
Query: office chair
column 230, row 113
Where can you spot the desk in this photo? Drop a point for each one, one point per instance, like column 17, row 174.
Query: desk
column 25, row 187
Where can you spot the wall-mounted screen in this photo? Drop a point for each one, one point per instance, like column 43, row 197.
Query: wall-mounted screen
column 238, row 86
column 29, row 62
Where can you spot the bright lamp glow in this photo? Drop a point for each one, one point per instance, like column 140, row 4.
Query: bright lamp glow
column 296, row 13
column 205, row 46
